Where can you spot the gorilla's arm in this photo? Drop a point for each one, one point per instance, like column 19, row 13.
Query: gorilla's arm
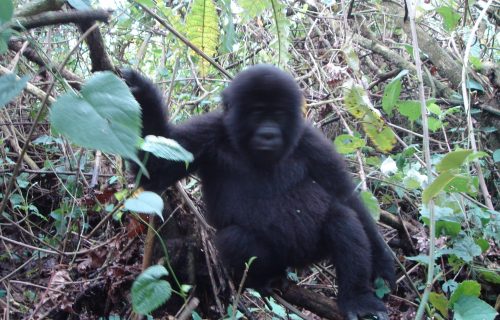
column 195, row 135
column 328, row 169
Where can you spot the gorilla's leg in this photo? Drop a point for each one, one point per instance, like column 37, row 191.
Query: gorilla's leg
column 237, row 245
column 382, row 260
column 352, row 256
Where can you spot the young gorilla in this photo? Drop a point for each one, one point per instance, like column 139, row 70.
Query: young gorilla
column 274, row 187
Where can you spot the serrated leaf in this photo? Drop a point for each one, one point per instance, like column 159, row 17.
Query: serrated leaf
column 6, row 11
column 346, row 143
column 437, row 186
column 410, row 109
column 166, row 148
column 202, row 25
column 472, row 308
column 434, row 124
column 149, row 291
column 450, row 17
column 391, row 93
column 468, row 288
column 466, row 249
column 146, row 202
column 105, row 116
column 10, row 87
column 440, row 302
column 453, row 160
column 490, row 276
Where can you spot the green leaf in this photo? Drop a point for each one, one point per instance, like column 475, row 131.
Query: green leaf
column 466, row 249
column 381, row 288
column 202, row 25
column 104, row 116
column 352, row 58
column 10, row 87
column 392, row 92
column 434, row 124
column 440, row 302
column 146, row 202
column 371, row 204
column 6, row 11
column 80, row 4
column 345, row 143
column 476, row 62
column 496, row 155
column 490, row 276
column 252, row 8
column 468, row 288
column 166, row 148
column 472, row 308
column 437, row 186
column 149, row 291
column 453, row 160
column 423, row 259
column 450, row 17
column 483, row 244
column 447, row 227
column 410, row 109
column 472, row 84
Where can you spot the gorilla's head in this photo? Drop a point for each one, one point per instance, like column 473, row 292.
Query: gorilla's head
column 262, row 113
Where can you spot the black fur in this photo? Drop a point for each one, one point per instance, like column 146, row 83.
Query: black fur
column 273, row 185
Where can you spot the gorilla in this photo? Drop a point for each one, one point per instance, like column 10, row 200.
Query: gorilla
column 273, row 185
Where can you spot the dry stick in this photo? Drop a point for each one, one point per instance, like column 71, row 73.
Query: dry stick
column 38, row 117
column 188, row 309
column 465, row 95
column 290, row 307
column 427, row 157
column 186, row 41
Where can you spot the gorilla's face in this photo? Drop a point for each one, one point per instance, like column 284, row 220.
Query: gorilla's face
column 262, row 113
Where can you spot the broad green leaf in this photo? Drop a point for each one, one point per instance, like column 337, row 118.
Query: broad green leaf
column 371, row 204
column 453, row 160
column 146, row 202
column 437, row 186
column 381, row 288
column 472, row 84
column 410, row 109
column 392, row 92
column 483, row 244
column 345, row 143
column 440, row 302
column 229, row 36
column 149, row 291
column 472, row 308
column 202, row 25
column 10, row 87
column 476, row 62
column 491, row 276
column 447, row 227
column 468, row 288
column 104, row 116
column 434, row 124
column 451, row 18
column 434, row 109
column 6, row 11
column 166, row 148
column 466, row 249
